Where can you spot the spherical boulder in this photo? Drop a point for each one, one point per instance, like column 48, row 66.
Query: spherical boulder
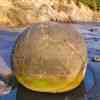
column 50, row 57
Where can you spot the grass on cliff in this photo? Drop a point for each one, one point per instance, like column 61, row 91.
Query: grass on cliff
column 93, row 4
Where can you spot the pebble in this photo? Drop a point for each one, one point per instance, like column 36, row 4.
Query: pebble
column 93, row 29
column 96, row 59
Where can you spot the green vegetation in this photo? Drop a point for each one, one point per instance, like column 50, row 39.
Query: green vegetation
column 93, row 4
column 98, row 4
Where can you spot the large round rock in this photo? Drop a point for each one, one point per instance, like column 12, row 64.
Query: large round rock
column 50, row 57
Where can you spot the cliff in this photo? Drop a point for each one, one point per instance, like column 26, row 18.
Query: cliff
column 24, row 12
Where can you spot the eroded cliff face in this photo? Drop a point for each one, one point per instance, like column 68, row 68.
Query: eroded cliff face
column 97, row 16
column 81, row 13
column 24, row 12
